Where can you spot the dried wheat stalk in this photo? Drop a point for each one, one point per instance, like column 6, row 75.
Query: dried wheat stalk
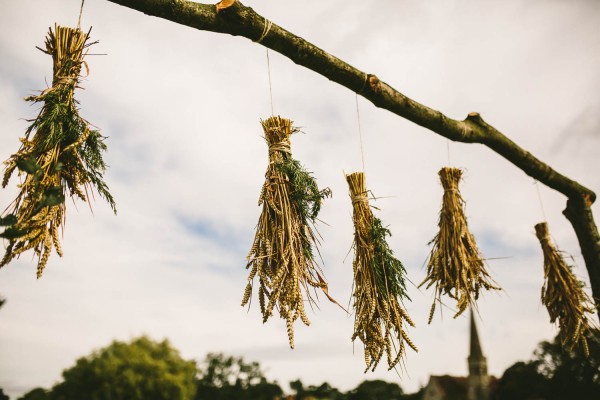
column 379, row 285
column 282, row 252
column 455, row 266
column 563, row 295
column 59, row 155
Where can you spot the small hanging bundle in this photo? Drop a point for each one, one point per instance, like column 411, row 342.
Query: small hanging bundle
column 563, row 295
column 59, row 155
column 455, row 266
column 282, row 252
column 379, row 284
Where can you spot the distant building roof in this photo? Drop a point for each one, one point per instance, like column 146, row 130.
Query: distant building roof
column 478, row 384
column 451, row 387
column 455, row 387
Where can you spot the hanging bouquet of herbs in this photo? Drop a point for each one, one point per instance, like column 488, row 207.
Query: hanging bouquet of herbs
column 60, row 156
column 379, row 284
column 563, row 295
column 282, row 254
column 456, row 266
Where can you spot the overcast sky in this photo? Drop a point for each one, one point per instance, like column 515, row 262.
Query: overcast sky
column 181, row 110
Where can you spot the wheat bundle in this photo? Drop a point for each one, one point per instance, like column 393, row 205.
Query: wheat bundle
column 59, row 155
column 379, row 284
column 455, row 266
column 282, row 252
column 563, row 295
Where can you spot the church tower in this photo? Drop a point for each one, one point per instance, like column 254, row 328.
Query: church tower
column 478, row 379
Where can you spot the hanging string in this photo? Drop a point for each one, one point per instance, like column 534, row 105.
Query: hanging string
column 80, row 13
column 266, row 28
column 270, row 86
column 265, row 31
column 537, row 188
column 362, row 152
column 448, row 151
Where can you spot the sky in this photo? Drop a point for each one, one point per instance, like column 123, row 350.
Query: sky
column 181, row 111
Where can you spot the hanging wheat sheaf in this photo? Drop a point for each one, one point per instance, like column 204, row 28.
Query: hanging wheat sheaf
column 455, row 266
column 282, row 252
column 379, row 284
column 60, row 155
column 563, row 295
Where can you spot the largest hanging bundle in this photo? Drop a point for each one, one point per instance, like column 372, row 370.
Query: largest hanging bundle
column 282, row 253
column 60, row 155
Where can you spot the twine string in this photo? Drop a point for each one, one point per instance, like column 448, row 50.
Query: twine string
column 364, row 83
column 270, row 85
column 360, row 198
column 282, row 147
column 539, row 195
column 65, row 80
column 265, row 31
column 362, row 152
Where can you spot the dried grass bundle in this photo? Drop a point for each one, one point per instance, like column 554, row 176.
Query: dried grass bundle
column 282, row 251
column 379, row 285
column 563, row 295
column 455, row 266
column 60, row 154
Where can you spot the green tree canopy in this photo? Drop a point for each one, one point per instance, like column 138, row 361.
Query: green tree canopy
column 231, row 378
column 555, row 373
column 322, row 392
column 569, row 373
column 521, row 381
column 143, row 369
column 376, row 390
column 298, row 387
column 36, row 394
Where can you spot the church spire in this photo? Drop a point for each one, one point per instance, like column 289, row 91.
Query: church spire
column 476, row 351
column 478, row 380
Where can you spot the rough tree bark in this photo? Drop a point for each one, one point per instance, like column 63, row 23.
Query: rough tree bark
column 234, row 18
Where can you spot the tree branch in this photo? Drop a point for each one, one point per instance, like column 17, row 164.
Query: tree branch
column 239, row 20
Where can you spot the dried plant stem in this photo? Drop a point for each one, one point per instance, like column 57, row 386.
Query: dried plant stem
column 563, row 295
column 59, row 155
column 455, row 266
column 379, row 287
column 282, row 252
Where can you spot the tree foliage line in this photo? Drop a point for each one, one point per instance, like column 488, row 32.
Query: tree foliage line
column 554, row 373
column 151, row 370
